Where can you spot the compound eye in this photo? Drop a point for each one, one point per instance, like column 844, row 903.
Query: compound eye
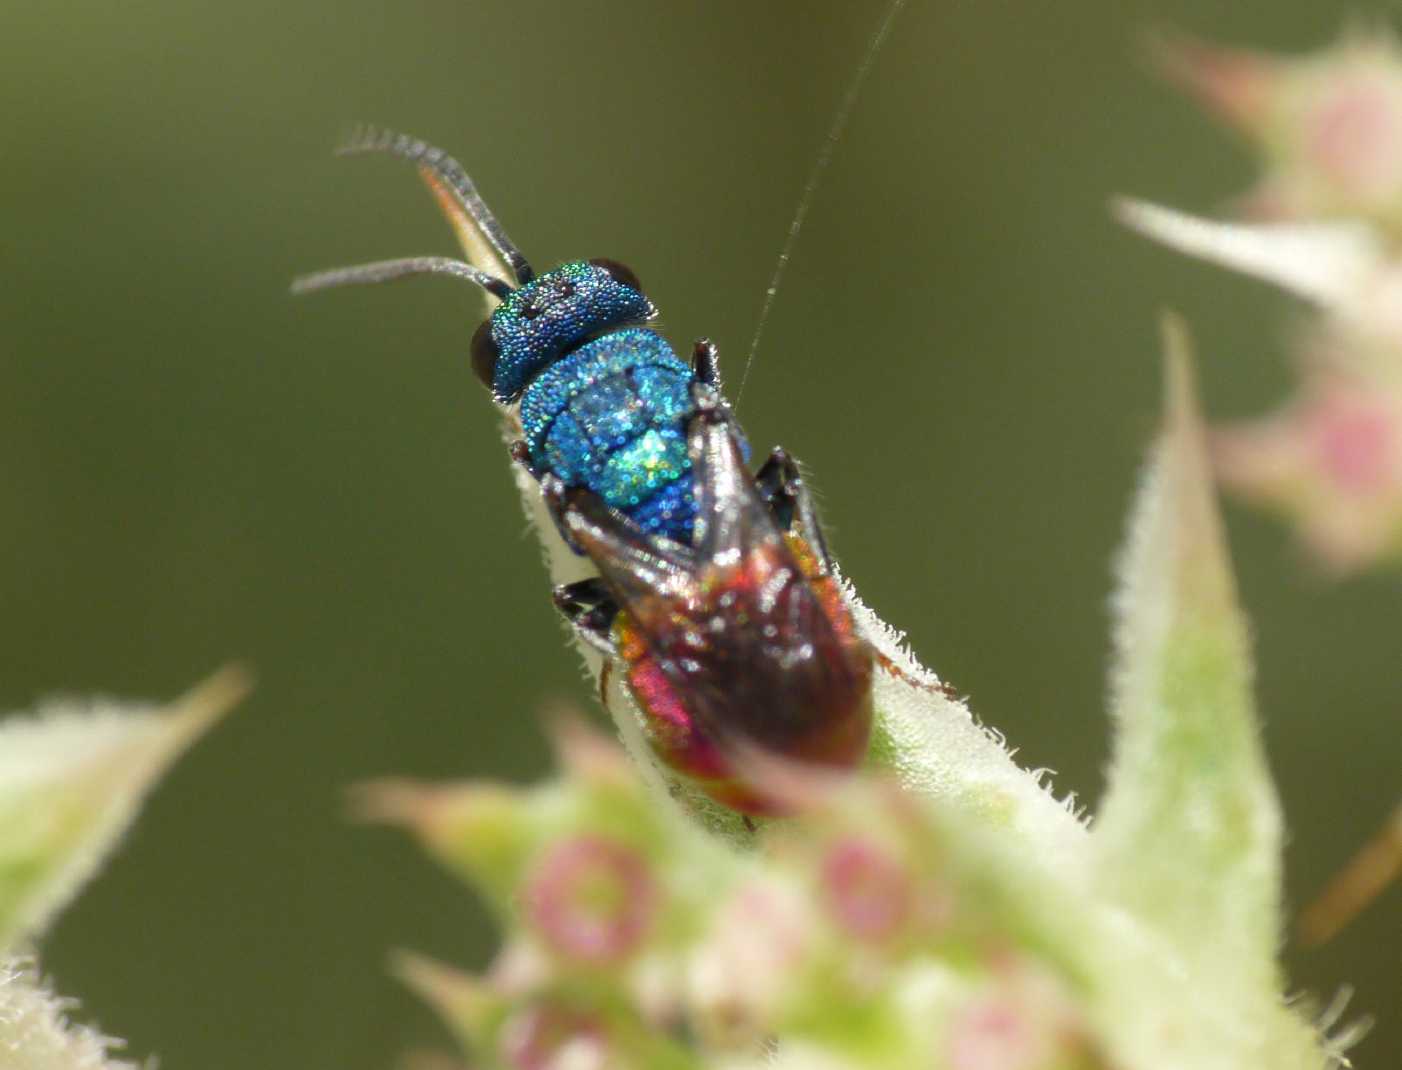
column 619, row 272
column 484, row 354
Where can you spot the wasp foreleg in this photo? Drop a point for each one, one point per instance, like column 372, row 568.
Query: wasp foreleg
column 705, row 362
column 590, row 608
column 781, row 485
column 521, row 454
column 634, row 566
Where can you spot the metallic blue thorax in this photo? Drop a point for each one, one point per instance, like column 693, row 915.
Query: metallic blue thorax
column 610, row 414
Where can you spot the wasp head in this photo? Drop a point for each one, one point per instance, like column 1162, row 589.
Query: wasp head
column 543, row 319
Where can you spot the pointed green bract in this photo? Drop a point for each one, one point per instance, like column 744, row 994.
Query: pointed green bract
column 35, row 1033
column 463, row 1003
column 71, row 779
column 1328, row 263
column 1189, row 835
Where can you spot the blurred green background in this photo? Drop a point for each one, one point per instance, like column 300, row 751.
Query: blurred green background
column 197, row 467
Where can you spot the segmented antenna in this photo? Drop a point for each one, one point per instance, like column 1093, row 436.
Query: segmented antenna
column 386, row 270
column 805, row 199
column 450, row 174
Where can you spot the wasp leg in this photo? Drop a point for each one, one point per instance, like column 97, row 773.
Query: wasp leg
column 731, row 517
column 521, row 454
column 780, row 483
column 634, row 566
column 705, row 364
column 589, row 607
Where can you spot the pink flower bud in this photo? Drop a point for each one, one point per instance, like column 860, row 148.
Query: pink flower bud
column 751, row 960
column 1329, row 125
column 1333, row 461
column 1023, row 1021
column 867, row 891
column 1354, row 439
column 1351, row 132
column 553, row 1038
column 994, row 1034
column 591, row 899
